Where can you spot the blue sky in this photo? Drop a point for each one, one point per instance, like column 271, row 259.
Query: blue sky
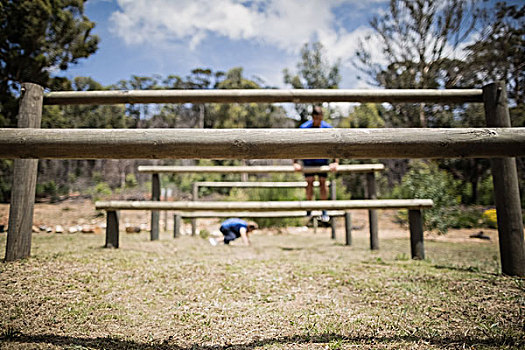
column 147, row 37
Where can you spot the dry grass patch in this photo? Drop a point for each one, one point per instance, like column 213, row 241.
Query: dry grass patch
column 286, row 291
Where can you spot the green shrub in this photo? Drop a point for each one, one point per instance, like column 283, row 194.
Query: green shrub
column 277, row 194
column 131, row 181
column 100, row 190
column 205, row 234
column 426, row 180
column 466, row 217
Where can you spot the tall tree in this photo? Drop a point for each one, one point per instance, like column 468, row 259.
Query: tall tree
column 313, row 72
column 38, row 38
column 416, row 41
column 499, row 53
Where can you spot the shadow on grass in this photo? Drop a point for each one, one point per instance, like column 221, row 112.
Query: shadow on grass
column 110, row 343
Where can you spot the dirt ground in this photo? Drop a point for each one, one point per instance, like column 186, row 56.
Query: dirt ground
column 78, row 212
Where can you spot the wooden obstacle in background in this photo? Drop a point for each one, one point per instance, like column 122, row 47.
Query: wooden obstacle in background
column 367, row 169
column 414, row 207
column 499, row 141
column 251, row 215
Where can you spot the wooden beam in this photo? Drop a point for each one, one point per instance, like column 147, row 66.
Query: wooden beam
column 506, row 187
column 155, row 215
column 256, row 169
column 248, row 214
column 262, row 96
column 255, row 184
column 267, row 206
column 18, row 245
column 261, row 143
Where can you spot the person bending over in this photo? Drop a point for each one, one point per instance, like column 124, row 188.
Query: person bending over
column 232, row 229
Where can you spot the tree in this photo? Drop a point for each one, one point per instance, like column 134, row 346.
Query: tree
column 38, row 38
column 314, row 72
column 416, row 40
column 499, row 53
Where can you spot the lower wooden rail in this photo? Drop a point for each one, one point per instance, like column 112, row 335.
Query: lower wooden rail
column 413, row 205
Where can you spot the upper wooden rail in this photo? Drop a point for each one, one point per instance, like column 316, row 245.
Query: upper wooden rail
column 262, row 96
column 261, row 143
column 258, row 169
column 267, row 206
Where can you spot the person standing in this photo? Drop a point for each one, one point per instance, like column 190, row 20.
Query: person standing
column 316, row 122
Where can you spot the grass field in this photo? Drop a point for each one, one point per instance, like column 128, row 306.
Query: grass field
column 291, row 291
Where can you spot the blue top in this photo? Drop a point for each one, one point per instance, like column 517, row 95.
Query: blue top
column 234, row 225
column 315, row 162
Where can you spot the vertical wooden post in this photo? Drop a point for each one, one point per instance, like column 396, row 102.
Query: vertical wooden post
column 18, row 244
column 176, row 225
column 371, row 193
column 163, row 197
column 195, row 196
column 155, row 215
column 348, row 228
column 415, row 221
column 506, row 189
column 314, row 218
column 112, row 229
column 333, row 196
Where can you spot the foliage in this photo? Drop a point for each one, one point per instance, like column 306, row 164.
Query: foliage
column 277, row 194
column 100, row 190
column 366, row 115
column 499, row 53
column 490, row 218
column 131, row 181
column 415, row 38
column 38, row 38
column 427, row 181
column 313, row 72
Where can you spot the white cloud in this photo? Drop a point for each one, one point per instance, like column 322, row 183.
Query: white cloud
column 285, row 24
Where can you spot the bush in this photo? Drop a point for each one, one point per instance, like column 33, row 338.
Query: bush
column 490, row 218
column 425, row 180
column 277, row 194
column 100, row 190
column 131, row 181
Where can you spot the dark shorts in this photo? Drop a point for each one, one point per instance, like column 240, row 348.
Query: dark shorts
column 325, row 175
column 229, row 235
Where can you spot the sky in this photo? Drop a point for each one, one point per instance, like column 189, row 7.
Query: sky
column 148, row 37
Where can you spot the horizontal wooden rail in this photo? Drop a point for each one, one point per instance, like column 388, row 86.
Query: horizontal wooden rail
column 255, row 184
column 264, row 169
column 261, row 96
column 261, row 143
column 247, row 214
column 267, row 206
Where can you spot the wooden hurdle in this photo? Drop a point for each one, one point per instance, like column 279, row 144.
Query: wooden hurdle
column 497, row 141
column 252, row 215
column 367, row 169
column 413, row 205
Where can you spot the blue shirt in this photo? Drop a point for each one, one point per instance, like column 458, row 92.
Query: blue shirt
column 234, row 225
column 315, row 162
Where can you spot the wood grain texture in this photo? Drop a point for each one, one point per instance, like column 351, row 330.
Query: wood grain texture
column 261, row 143
column 506, row 187
column 18, row 245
